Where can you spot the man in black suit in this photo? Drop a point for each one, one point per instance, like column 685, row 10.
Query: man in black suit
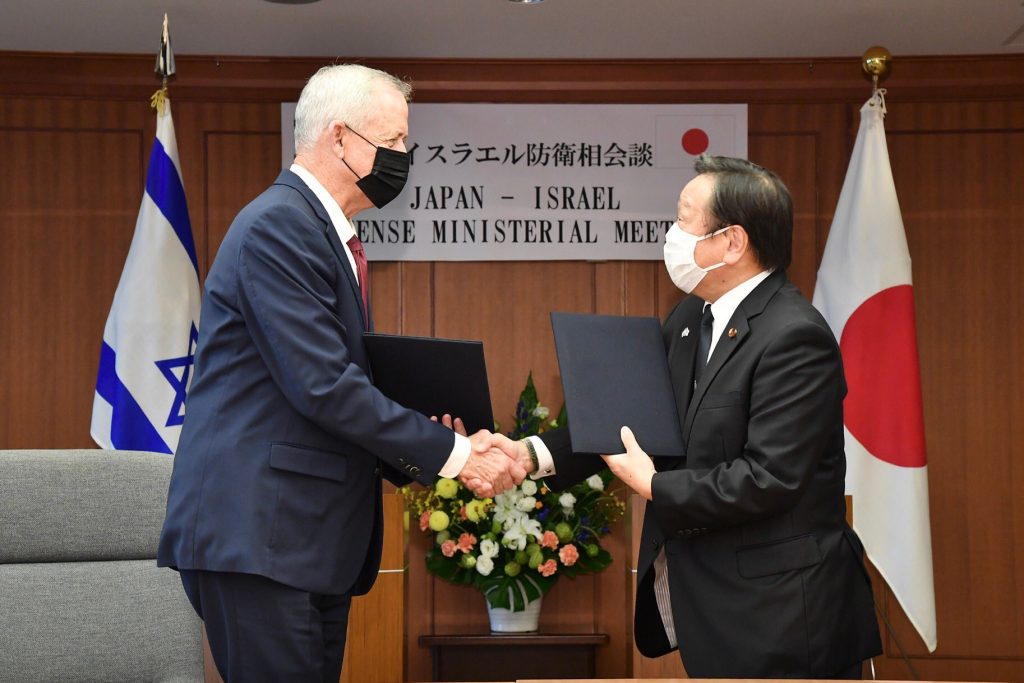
column 274, row 508
column 746, row 563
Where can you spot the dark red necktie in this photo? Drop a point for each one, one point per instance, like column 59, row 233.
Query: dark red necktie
column 363, row 270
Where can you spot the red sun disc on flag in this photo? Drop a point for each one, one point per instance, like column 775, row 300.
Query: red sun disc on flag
column 883, row 404
column 695, row 141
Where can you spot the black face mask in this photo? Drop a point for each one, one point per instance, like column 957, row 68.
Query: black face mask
column 387, row 177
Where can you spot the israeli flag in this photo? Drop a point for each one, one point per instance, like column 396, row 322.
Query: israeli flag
column 150, row 337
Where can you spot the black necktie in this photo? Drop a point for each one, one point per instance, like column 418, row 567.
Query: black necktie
column 707, row 321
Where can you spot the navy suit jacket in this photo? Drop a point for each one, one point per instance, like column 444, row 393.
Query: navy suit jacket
column 766, row 578
column 285, row 440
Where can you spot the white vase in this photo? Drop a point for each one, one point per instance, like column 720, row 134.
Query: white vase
column 507, row 621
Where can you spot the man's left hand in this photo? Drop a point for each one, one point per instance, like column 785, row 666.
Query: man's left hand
column 634, row 467
column 455, row 425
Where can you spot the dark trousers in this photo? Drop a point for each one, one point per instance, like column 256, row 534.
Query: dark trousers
column 854, row 673
column 261, row 630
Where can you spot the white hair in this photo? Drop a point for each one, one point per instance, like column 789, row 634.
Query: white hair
column 339, row 93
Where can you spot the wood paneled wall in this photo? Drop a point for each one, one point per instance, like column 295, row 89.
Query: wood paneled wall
column 75, row 133
column 373, row 650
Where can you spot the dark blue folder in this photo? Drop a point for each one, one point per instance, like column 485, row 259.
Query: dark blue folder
column 614, row 374
column 433, row 376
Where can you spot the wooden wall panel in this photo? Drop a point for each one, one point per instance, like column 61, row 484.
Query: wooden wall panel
column 613, row 599
column 229, row 153
column 506, row 305
column 419, row 606
column 66, row 222
column 794, row 158
column 373, row 653
column 82, row 125
column 238, row 167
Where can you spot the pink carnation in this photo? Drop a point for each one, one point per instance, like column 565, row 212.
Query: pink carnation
column 462, row 513
column 448, row 548
column 425, row 520
column 466, row 542
column 548, row 568
column 568, row 555
column 549, row 540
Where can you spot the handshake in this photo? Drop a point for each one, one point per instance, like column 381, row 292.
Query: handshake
column 496, row 463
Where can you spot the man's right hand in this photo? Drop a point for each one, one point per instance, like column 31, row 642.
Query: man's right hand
column 493, row 465
column 514, row 449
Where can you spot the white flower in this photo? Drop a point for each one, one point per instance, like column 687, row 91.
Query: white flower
column 488, row 548
column 526, row 503
column 505, row 506
column 541, row 411
column 596, row 482
column 519, row 530
column 528, row 487
column 484, row 565
column 515, row 537
column 506, row 499
column 533, row 528
column 567, row 501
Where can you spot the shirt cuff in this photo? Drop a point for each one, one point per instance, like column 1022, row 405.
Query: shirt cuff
column 545, row 463
column 457, row 460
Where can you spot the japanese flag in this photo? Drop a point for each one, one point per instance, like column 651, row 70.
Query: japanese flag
column 864, row 291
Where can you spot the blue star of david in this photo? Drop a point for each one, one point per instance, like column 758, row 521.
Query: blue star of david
column 179, row 384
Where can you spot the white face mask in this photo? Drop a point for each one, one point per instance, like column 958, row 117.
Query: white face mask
column 679, row 258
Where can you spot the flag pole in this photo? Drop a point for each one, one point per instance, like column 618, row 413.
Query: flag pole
column 164, row 68
column 876, row 65
column 148, row 350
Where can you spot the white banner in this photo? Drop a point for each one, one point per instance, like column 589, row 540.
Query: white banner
column 534, row 182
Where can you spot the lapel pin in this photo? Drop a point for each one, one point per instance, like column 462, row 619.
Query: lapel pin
column 732, row 333
column 686, row 332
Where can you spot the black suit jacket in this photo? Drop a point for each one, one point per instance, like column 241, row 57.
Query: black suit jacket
column 766, row 578
column 278, row 470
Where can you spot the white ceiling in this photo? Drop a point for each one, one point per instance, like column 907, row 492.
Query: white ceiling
column 573, row 29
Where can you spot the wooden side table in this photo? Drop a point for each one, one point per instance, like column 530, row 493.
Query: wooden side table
column 507, row 657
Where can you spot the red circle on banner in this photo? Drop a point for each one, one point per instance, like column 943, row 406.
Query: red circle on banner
column 883, row 403
column 695, row 141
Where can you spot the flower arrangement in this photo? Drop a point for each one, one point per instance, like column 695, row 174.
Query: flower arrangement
column 514, row 547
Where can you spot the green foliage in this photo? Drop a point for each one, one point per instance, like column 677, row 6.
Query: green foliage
column 484, row 537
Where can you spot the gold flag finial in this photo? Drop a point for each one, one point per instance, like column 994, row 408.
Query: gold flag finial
column 877, row 64
column 164, row 68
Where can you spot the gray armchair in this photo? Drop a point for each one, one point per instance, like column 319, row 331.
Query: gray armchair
column 81, row 597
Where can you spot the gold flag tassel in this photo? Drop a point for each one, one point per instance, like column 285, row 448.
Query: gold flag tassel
column 164, row 69
column 159, row 100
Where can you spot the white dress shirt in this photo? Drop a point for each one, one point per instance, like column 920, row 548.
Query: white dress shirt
column 338, row 220
column 727, row 305
column 460, row 451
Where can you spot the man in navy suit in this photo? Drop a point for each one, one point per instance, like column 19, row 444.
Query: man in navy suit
column 274, row 506
column 746, row 563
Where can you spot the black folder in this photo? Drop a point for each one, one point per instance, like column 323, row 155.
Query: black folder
column 615, row 373
column 433, row 376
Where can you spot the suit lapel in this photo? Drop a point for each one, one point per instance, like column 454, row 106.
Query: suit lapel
column 727, row 344
column 330, row 232
column 725, row 347
column 680, row 361
column 682, row 347
column 346, row 267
